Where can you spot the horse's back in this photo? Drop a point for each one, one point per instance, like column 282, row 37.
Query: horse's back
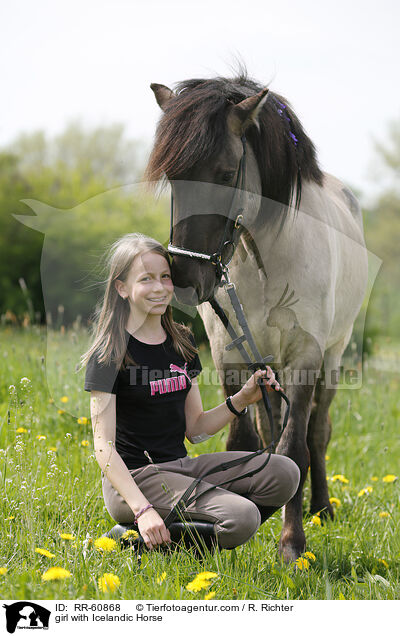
column 344, row 199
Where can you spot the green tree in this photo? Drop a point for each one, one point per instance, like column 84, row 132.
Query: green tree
column 382, row 230
column 74, row 167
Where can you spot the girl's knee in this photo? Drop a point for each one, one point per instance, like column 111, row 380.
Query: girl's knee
column 288, row 476
column 241, row 522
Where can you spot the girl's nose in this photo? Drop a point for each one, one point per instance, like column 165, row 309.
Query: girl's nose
column 158, row 284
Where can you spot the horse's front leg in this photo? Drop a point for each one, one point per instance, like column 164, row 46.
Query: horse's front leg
column 262, row 421
column 293, row 444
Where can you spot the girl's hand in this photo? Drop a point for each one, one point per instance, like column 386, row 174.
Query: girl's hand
column 251, row 391
column 153, row 529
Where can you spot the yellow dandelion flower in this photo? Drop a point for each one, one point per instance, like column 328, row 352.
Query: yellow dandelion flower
column 60, row 412
column 340, row 478
column 40, row 437
column 53, row 448
column 383, row 563
column 106, row 544
column 67, row 537
column 388, row 479
column 196, row 585
column 54, row 574
column 9, row 518
column 327, row 457
column 302, row 563
column 45, row 553
column 201, row 581
column 162, row 577
column 374, row 478
column 336, row 501
column 3, row 571
column 21, row 429
column 310, row 556
column 209, row 596
column 316, row 520
column 64, row 399
column 130, row 534
column 365, row 491
column 109, row 582
column 205, row 576
column 82, row 420
column 84, row 442
column 384, row 514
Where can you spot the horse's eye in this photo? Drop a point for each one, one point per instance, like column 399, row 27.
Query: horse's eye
column 227, row 177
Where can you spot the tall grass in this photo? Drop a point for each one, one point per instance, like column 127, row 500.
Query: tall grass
column 51, row 485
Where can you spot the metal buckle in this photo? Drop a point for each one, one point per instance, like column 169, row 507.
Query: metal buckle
column 237, row 221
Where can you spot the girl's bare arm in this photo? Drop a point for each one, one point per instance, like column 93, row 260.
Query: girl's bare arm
column 199, row 422
column 103, row 415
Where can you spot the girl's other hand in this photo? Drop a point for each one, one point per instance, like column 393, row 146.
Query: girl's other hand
column 153, row 529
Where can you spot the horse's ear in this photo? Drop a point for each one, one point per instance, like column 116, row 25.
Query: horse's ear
column 163, row 94
column 244, row 114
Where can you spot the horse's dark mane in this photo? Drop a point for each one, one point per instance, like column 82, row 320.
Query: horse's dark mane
column 193, row 129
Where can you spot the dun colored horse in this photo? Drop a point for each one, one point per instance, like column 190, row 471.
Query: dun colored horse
column 296, row 228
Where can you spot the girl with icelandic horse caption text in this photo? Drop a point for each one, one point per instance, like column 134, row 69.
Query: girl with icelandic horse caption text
column 141, row 370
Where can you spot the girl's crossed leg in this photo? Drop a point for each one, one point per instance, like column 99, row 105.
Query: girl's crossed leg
column 232, row 509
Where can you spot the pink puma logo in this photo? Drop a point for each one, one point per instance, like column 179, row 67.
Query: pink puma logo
column 167, row 385
column 174, row 367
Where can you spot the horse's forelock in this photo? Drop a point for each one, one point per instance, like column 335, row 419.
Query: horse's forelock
column 193, row 129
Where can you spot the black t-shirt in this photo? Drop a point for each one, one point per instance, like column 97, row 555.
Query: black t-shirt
column 150, row 400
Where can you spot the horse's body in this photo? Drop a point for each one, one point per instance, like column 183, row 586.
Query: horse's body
column 316, row 250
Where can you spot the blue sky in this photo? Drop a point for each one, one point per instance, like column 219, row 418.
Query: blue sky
column 336, row 62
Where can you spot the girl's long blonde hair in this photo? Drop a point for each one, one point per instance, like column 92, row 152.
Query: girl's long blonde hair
column 109, row 338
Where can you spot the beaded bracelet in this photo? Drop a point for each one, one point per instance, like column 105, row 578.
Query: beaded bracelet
column 142, row 511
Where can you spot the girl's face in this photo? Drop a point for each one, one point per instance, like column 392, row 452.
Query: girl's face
column 148, row 286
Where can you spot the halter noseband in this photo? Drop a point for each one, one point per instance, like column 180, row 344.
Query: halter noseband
column 224, row 253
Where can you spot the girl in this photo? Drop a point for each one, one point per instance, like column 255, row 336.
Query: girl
column 141, row 370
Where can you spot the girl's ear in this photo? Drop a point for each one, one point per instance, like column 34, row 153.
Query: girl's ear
column 120, row 287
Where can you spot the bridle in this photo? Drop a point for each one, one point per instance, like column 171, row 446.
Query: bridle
column 223, row 256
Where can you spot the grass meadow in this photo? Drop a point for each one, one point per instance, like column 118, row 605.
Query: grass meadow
column 51, row 487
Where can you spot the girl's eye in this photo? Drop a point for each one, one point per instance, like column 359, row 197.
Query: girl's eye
column 148, row 277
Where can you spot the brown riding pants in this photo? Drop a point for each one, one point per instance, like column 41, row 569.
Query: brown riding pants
column 232, row 508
